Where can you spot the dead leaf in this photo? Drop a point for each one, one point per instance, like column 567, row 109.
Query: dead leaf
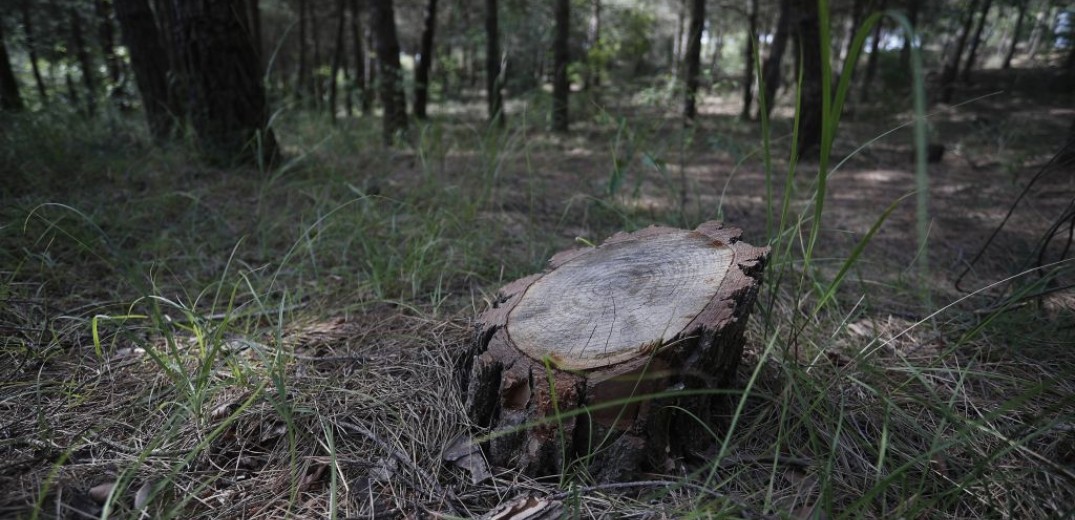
column 100, row 492
column 527, row 508
column 464, row 453
column 142, row 496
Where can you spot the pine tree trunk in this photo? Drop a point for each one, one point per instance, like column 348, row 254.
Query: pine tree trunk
column 493, row 78
column 560, row 55
column 425, row 60
column 646, row 313
column 227, row 103
column 693, row 59
column 149, row 62
column 951, row 69
column 337, row 58
column 871, row 62
column 31, row 48
column 810, row 95
column 315, row 36
column 592, row 77
column 1015, row 35
column 359, row 56
column 106, row 35
column 967, row 67
column 301, row 75
column 748, row 60
column 10, row 98
column 89, row 76
column 771, row 69
column 383, row 19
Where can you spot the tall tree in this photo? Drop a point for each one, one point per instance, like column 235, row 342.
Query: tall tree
column 425, row 60
column 383, row 20
column 227, row 105
column 1021, row 5
column 976, row 41
column 360, row 56
column 149, row 62
column 808, row 30
column 771, row 68
column 951, row 68
column 302, row 81
column 913, row 6
column 337, row 58
column 594, row 62
column 560, row 56
column 107, row 37
column 31, row 48
column 748, row 59
column 875, row 54
column 10, row 99
column 693, row 58
column 493, row 74
column 85, row 62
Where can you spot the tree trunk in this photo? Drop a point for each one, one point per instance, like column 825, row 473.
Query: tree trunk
column 149, row 62
column 652, row 312
column 678, row 51
column 227, row 99
column 913, row 6
column 748, row 60
column 693, row 59
column 425, row 60
column 594, row 57
column 871, row 62
column 493, row 74
column 383, row 19
column 301, row 80
column 809, row 46
column 1022, row 5
column 771, row 69
column 254, row 21
column 337, row 58
column 976, row 41
column 89, row 76
column 10, row 98
column 315, row 35
column 360, row 56
column 107, row 35
column 560, row 55
column 31, row 48
column 951, row 69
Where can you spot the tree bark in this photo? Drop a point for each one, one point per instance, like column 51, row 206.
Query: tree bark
column 976, row 41
column 254, row 21
column 913, row 7
column 771, row 69
column 425, row 60
column 150, row 64
column 1022, row 5
column 360, row 56
column 10, row 98
column 693, row 59
column 748, row 60
column 31, row 48
column 951, row 69
column 871, row 62
column 89, row 76
column 811, row 93
column 383, row 19
column 594, row 60
column 227, row 105
column 560, row 53
column 337, row 58
column 302, row 79
column 493, row 74
column 651, row 312
column 107, row 35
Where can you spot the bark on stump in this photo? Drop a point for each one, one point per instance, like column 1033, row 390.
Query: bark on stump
column 652, row 311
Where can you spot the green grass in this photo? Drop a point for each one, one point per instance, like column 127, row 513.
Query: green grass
column 257, row 344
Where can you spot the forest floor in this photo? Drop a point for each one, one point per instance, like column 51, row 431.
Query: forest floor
column 181, row 341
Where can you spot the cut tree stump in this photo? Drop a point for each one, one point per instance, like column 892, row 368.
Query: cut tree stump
column 563, row 360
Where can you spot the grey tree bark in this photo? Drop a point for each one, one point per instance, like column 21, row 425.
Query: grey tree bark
column 560, row 52
column 383, row 20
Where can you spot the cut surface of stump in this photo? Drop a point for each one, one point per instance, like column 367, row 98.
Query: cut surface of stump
column 601, row 331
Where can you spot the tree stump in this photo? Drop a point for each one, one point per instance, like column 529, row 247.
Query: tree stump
column 561, row 362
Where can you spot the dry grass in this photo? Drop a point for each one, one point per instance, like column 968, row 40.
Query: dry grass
column 233, row 345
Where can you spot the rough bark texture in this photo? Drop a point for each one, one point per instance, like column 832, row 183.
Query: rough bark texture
column 492, row 64
column 693, row 58
column 425, row 60
column 951, row 69
column 809, row 44
column 227, row 104
column 771, row 69
column 150, row 63
column 383, row 19
column 10, row 99
column 748, row 59
column 560, row 54
column 653, row 311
